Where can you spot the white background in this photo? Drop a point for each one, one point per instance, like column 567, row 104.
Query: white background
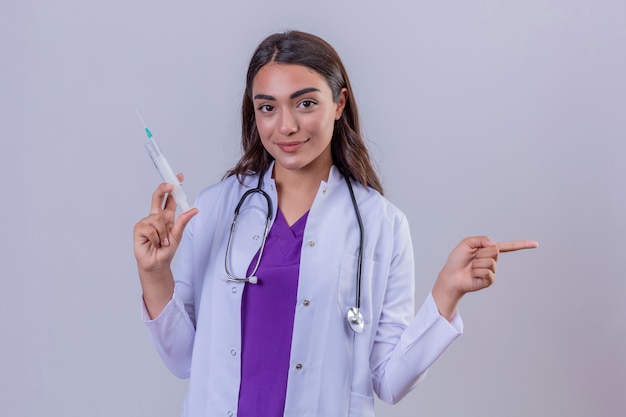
column 484, row 117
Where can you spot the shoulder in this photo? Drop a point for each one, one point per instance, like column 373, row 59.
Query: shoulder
column 210, row 192
column 225, row 188
column 371, row 203
column 216, row 203
column 375, row 204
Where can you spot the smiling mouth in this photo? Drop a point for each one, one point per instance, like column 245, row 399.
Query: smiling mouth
column 291, row 146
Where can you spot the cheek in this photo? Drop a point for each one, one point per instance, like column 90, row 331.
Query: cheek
column 264, row 128
column 327, row 127
column 322, row 126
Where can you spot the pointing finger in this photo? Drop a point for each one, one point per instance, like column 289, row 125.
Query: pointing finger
column 517, row 245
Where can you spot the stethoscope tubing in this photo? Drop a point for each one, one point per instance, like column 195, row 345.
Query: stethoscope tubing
column 252, row 278
column 354, row 315
column 361, row 244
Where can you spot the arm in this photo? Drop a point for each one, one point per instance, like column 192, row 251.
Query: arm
column 406, row 345
column 156, row 239
column 405, row 349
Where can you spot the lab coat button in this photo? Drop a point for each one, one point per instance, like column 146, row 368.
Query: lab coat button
column 298, row 366
column 256, row 237
column 311, row 243
column 234, row 290
column 233, row 352
column 325, row 191
column 306, row 303
column 231, row 414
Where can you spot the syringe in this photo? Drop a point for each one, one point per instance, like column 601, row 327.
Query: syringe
column 166, row 172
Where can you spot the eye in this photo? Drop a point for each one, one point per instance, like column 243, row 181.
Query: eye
column 266, row 108
column 307, row 104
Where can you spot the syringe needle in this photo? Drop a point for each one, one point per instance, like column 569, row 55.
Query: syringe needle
column 166, row 172
column 144, row 124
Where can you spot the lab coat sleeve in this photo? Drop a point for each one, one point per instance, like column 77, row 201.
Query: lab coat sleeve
column 173, row 331
column 173, row 334
column 406, row 346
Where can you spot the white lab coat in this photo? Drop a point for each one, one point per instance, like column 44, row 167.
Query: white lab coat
column 333, row 371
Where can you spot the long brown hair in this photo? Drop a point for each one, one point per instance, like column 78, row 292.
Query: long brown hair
column 350, row 155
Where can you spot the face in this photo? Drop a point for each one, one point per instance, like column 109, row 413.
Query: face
column 295, row 116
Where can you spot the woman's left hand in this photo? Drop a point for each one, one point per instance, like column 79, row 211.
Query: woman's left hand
column 471, row 266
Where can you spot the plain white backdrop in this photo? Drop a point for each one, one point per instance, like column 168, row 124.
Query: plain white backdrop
column 484, row 117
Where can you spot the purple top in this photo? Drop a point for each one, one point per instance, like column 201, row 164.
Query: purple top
column 267, row 314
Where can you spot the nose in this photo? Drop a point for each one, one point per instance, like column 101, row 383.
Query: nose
column 288, row 124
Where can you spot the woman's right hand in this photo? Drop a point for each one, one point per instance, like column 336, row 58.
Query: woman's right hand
column 156, row 238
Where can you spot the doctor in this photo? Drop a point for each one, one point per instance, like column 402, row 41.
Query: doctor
column 317, row 315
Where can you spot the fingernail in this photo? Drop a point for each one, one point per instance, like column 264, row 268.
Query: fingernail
column 166, row 242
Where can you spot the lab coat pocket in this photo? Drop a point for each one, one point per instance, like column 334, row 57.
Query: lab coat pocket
column 348, row 286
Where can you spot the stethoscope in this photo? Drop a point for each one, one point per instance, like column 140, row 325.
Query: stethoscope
column 354, row 315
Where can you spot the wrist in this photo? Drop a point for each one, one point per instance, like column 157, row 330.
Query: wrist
column 157, row 289
column 446, row 298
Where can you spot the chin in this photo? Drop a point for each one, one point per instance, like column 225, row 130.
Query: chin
column 291, row 166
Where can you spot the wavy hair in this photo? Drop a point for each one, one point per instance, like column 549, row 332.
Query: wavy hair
column 349, row 153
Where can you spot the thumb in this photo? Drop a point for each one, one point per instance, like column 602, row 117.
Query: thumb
column 181, row 223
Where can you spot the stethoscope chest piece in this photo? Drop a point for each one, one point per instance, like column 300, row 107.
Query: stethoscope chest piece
column 355, row 319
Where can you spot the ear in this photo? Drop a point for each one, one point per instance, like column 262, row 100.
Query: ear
column 341, row 104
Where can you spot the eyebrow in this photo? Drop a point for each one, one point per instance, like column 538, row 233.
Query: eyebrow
column 292, row 96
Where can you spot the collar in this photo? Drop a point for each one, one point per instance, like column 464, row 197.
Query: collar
column 334, row 178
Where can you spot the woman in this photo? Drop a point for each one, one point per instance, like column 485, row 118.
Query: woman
column 315, row 317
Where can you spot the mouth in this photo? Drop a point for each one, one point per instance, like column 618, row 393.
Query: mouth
column 291, row 146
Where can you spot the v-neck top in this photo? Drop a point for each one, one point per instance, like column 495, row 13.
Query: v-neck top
column 267, row 316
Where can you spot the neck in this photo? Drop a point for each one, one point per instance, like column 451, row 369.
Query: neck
column 297, row 189
column 300, row 179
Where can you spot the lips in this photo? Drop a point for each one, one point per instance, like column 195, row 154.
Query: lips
column 291, row 146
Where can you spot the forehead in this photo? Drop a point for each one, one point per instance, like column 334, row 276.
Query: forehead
column 283, row 79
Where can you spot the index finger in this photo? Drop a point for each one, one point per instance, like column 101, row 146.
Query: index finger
column 517, row 245
column 170, row 201
column 158, row 197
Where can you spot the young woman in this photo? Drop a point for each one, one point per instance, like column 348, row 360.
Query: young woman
column 293, row 290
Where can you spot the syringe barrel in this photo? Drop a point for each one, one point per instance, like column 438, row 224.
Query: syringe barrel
column 167, row 174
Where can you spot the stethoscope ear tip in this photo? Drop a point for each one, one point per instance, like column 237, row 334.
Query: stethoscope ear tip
column 253, row 279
